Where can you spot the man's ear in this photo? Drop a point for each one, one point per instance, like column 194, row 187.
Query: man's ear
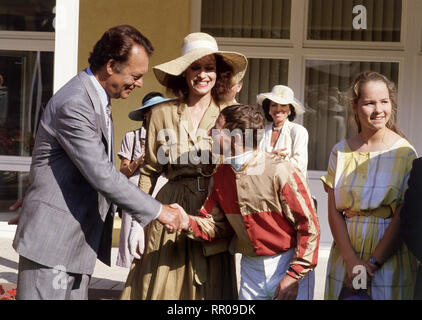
column 111, row 67
column 237, row 140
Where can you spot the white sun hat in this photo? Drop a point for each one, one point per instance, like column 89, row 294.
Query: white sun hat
column 196, row 46
column 282, row 95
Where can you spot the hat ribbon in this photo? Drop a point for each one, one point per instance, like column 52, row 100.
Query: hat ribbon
column 203, row 44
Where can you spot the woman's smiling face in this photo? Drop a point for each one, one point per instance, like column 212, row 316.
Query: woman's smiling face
column 279, row 112
column 374, row 106
column 202, row 75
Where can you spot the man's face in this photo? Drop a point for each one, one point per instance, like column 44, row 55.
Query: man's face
column 121, row 83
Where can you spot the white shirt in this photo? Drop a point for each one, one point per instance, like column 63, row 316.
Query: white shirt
column 238, row 161
column 295, row 138
column 105, row 100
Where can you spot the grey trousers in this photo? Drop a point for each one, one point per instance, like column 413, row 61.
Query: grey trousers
column 39, row 282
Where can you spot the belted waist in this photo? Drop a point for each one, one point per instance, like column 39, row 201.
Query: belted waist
column 384, row 212
column 200, row 182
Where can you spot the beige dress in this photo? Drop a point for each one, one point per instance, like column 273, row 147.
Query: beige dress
column 174, row 266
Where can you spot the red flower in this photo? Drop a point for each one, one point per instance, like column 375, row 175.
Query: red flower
column 12, row 293
column 7, row 295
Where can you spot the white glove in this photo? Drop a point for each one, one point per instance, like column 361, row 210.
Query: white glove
column 136, row 240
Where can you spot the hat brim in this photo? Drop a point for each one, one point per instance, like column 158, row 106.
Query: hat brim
column 299, row 109
column 164, row 72
column 138, row 114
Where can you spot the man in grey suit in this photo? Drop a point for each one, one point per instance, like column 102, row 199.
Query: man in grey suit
column 67, row 214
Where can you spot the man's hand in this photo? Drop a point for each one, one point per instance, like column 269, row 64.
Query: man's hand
column 15, row 207
column 170, row 218
column 185, row 216
column 287, row 289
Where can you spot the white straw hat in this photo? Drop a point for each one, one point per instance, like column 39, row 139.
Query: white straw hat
column 195, row 46
column 282, row 95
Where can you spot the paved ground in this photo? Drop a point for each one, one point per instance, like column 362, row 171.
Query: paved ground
column 107, row 282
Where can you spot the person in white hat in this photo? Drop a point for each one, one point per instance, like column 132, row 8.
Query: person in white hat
column 131, row 155
column 282, row 136
column 174, row 266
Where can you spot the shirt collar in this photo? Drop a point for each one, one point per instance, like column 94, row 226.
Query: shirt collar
column 99, row 88
column 238, row 161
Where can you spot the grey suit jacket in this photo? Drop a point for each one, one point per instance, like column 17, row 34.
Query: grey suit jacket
column 67, row 215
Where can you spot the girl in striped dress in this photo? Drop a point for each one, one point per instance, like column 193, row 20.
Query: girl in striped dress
column 366, row 181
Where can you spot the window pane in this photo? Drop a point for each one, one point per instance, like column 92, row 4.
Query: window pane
column 336, row 20
column 26, row 85
column 12, row 187
column 27, row 15
column 261, row 76
column 246, row 18
column 328, row 116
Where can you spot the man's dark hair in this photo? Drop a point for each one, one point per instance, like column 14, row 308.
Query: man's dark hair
column 266, row 107
column 116, row 43
column 244, row 117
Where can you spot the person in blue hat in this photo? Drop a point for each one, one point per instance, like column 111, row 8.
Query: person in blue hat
column 131, row 155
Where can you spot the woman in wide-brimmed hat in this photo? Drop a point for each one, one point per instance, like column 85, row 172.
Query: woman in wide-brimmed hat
column 174, row 266
column 282, row 136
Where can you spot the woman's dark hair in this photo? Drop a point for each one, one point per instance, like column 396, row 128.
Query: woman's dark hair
column 266, row 107
column 116, row 43
column 178, row 86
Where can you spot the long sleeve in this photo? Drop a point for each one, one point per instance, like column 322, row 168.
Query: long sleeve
column 299, row 156
column 211, row 222
column 154, row 152
column 299, row 209
column 77, row 133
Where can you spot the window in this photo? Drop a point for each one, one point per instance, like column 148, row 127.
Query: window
column 247, row 18
column 365, row 20
column 26, row 79
column 26, row 85
column 27, row 15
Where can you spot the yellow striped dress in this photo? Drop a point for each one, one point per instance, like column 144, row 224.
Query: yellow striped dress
column 368, row 187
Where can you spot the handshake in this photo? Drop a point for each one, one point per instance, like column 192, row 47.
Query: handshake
column 174, row 218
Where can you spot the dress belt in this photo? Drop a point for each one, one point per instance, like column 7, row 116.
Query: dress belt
column 384, row 212
column 201, row 181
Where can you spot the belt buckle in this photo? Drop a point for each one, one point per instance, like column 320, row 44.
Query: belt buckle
column 199, row 184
